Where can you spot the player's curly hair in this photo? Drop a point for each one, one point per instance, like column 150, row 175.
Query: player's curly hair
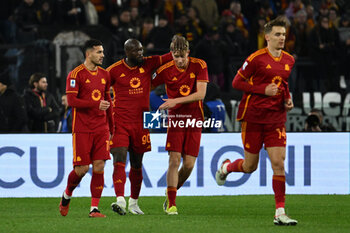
column 280, row 21
column 179, row 43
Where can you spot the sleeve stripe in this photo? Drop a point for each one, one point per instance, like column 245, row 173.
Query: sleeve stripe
column 205, row 81
column 200, row 61
column 242, row 75
column 71, row 91
column 76, row 71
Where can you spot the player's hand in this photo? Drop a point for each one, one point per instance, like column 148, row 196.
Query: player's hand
column 169, row 103
column 104, row 105
column 288, row 104
column 271, row 89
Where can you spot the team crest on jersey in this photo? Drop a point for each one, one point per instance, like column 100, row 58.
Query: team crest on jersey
column 286, row 67
column 103, row 81
column 72, row 83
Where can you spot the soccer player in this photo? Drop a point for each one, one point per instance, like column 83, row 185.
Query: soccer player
column 262, row 112
column 87, row 91
column 186, row 84
column 131, row 81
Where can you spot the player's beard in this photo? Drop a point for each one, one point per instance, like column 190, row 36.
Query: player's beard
column 136, row 61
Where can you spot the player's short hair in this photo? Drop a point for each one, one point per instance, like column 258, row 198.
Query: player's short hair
column 89, row 44
column 35, row 78
column 179, row 43
column 280, row 21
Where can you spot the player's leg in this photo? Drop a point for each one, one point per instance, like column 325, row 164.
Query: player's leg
column 96, row 187
column 172, row 181
column 74, row 178
column 82, row 143
column 119, row 178
column 252, row 141
column 186, row 169
column 135, row 177
column 275, row 141
column 99, row 154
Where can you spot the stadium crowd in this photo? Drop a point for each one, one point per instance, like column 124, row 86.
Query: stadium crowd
column 221, row 32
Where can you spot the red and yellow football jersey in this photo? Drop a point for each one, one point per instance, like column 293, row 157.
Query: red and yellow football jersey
column 259, row 70
column 182, row 82
column 131, row 87
column 85, row 89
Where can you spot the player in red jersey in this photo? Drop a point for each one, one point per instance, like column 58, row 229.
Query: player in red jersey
column 131, row 81
column 186, row 84
column 262, row 111
column 87, row 91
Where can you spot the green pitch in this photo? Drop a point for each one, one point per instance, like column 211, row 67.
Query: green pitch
column 216, row 214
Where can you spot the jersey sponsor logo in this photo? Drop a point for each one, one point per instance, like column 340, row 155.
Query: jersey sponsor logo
column 174, row 79
column 286, row 67
column 87, row 81
column 141, row 70
column 192, row 75
column 184, row 90
column 135, row 82
column 96, row 95
column 268, row 66
column 72, row 83
column 103, row 81
column 244, row 65
column 122, row 75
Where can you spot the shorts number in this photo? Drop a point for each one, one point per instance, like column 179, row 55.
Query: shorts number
column 281, row 133
column 146, row 139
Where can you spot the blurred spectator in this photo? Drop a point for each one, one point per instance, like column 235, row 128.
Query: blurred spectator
column 135, row 20
column 323, row 11
column 146, row 29
column 214, row 52
column 7, row 24
column 293, row 8
column 257, row 36
column 160, row 36
column 334, row 19
column 42, row 109
column 310, row 16
column 90, row 12
column 324, row 50
column 344, row 36
column 74, row 13
column 234, row 39
column 101, row 7
column 183, row 28
column 199, row 25
column 241, row 21
column 172, row 9
column 27, row 20
column 65, row 125
column 302, row 29
column 13, row 116
column 290, row 37
column 314, row 122
column 125, row 29
column 45, row 13
column 208, row 11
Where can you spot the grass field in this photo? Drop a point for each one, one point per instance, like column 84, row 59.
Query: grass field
column 315, row 213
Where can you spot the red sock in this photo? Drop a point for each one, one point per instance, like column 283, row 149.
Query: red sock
column 135, row 177
column 235, row 166
column 72, row 183
column 119, row 178
column 171, row 194
column 279, row 188
column 96, row 187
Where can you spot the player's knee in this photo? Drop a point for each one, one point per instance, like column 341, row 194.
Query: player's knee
column 98, row 166
column 250, row 168
column 174, row 162
column 277, row 165
column 81, row 170
column 188, row 165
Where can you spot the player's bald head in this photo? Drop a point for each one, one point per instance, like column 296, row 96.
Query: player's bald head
column 131, row 44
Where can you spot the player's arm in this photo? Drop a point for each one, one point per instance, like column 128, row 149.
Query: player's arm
column 109, row 110
column 196, row 96
column 288, row 102
column 165, row 58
